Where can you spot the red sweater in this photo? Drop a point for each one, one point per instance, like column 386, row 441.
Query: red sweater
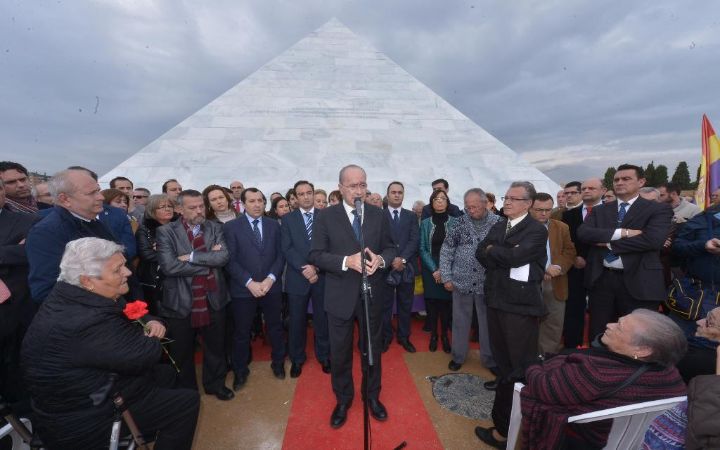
column 568, row 385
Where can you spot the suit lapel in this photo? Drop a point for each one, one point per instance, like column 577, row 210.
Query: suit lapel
column 635, row 210
column 182, row 238
column 345, row 222
column 517, row 228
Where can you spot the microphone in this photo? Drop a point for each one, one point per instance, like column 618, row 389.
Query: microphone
column 358, row 206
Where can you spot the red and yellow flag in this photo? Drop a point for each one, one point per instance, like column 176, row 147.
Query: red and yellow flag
column 709, row 179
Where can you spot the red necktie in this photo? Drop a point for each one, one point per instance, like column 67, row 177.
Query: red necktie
column 588, row 209
column 237, row 206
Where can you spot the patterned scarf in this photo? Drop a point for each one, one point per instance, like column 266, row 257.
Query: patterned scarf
column 201, row 284
column 28, row 206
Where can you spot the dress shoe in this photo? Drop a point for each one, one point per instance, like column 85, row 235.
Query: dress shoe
column 239, row 380
column 325, row 366
column 339, row 414
column 446, row 344
column 490, row 385
column 222, row 394
column 377, row 409
column 407, row 345
column 486, row 435
column 454, row 366
column 278, row 369
column 295, row 370
column 433, row 343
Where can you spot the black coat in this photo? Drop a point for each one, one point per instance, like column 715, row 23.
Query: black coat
column 333, row 239
column 525, row 243
column 76, row 341
column 148, row 270
column 16, row 310
column 640, row 255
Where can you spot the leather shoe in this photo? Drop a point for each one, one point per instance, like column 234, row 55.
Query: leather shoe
column 486, row 435
column 339, row 414
column 239, row 380
column 490, row 385
column 325, row 366
column 278, row 369
column 446, row 344
column 454, row 366
column 407, row 345
column 295, row 370
column 222, row 394
column 377, row 409
column 433, row 343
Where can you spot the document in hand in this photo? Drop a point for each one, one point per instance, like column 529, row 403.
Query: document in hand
column 521, row 273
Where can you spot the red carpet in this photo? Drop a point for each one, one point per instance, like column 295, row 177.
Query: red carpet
column 309, row 423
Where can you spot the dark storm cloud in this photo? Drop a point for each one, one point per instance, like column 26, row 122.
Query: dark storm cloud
column 572, row 86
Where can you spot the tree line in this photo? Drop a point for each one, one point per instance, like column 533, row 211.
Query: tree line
column 658, row 175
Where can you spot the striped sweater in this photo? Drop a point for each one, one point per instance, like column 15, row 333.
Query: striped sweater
column 577, row 383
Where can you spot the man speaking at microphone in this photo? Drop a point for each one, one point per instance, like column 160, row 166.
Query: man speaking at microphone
column 336, row 250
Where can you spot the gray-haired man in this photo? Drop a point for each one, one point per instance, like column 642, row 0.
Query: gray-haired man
column 464, row 276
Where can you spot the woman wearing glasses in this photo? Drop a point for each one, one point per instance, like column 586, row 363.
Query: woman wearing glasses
column 158, row 212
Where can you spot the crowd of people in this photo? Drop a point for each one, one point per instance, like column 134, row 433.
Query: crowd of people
column 222, row 264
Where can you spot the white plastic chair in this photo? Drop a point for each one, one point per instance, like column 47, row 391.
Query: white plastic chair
column 17, row 441
column 630, row 422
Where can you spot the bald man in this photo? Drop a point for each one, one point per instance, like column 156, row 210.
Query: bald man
column 591, row 192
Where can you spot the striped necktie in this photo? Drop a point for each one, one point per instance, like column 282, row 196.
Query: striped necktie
column 610, row 256
column 308, row 224
column 256, row 231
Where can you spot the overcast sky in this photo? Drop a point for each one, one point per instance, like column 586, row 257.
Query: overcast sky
column 573, row 86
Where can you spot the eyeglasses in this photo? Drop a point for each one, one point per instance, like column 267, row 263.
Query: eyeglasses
column 139, row 196
column 514, row 199
column 356, row 186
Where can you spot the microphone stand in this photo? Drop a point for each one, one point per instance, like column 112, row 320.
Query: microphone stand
column 366, row 297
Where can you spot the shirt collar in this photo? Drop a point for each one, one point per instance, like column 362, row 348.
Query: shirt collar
column 398, row 209
column 514, row 222
column 80, row 217
column 311, row 211
column 250, row 219
column 629, row 202
column 349, row 209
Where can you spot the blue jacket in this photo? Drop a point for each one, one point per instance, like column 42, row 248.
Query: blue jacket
column 45, row 246
column 296, row 248
column 689, row 244
column 248, row 260
column 117, row 221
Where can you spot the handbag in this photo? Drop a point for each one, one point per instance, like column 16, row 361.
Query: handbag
column 688, row 298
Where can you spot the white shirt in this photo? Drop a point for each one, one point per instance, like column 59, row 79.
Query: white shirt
column 617, row 264
column 516, row 221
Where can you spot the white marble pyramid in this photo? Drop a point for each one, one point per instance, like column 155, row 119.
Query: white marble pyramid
column 328, row 101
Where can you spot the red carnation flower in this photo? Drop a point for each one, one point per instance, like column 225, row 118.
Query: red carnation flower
column 135, row 310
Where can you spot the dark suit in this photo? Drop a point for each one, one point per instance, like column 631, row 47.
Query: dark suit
column 177, row 298
column 17, row 311
column 296, row 244
column 250, row 261
column 514, row 307
column 406, row 237
column 576, row 304
column 333, row 240
column 640, row 284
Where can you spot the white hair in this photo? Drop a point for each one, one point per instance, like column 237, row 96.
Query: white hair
column 86, row 256
column 60, row 183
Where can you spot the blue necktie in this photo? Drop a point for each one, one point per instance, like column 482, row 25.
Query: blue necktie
column 610, row 257
column 308, row 224
column 256, row 231
column 396, row 218
column 356, row 224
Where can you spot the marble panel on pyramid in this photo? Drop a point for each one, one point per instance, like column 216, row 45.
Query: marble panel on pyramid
column 328, row 101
